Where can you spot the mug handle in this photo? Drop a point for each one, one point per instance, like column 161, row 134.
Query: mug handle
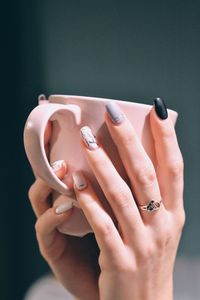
column 34, row 141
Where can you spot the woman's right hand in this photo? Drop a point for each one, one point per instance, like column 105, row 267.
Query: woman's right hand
column 73, row 260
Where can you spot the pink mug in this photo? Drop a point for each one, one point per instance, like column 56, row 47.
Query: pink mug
column 68, row 114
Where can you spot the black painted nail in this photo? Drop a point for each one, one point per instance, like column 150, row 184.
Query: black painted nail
column 160, row 108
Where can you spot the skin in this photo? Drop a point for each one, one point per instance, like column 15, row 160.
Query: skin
column 137, row 256
column 74, row 261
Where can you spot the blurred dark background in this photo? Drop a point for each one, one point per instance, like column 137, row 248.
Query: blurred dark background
column 131, row 50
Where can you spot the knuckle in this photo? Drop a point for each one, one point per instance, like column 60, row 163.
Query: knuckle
column 49, row 253
column 121, row 196
column 176, row 168
column 38, row 227
column 181, row 220
column 165, row 235
column 146, row 176
column 146, row 254
column 30, row 193
column 105, row 229
column 101, row 261
column 163, row 240
column 105, row 262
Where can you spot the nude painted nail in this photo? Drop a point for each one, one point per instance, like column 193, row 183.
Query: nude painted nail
column 88, row 138
column 115, row 113
column 57, row 165
column 64, row 207
column 79, row 180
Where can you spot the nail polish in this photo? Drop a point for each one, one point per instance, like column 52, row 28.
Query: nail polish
column 115, row 113
column 88, row 138
column 57, row 165
column 63, row 207
column 79, row 180
column 42, row 99
column 160, row 108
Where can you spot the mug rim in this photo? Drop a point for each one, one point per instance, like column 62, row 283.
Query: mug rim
column 91, row 98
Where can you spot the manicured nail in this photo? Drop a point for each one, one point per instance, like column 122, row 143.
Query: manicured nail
column 42, row 99
column 64, row 207
column 57, row 165
column 115, row 113
column 160, row 108
column 88, row 138
column 79, row 180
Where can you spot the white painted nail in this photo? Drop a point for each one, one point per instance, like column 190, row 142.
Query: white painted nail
column 79, row 180
column 57, row 165
column 88, row 138
column 64, row 207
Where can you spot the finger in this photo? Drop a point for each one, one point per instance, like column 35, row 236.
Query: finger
column 40, row 191
column 51, row 242
column 137, row 163
column 169, row 158
column 114, row 187
column 104, row 229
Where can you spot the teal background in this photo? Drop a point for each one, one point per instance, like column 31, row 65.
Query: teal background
column 129, row 50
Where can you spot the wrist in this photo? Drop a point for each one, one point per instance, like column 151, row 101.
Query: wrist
column 155, row 291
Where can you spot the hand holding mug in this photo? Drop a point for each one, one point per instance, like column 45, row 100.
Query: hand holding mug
column 68, row 115
column 137, row 254
column 73, row 260
column 136, row 257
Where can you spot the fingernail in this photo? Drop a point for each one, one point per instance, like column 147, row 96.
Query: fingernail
column 88, row 138
column 64, row 207
column 57, row 165
column 160, row 108
column 79, row 180
column 42, row 99
column 115, row 113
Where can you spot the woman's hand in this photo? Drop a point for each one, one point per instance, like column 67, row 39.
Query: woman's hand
column 137, row 257
column 74, row 261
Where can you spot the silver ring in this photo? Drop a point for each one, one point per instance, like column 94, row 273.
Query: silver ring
column 151, row 206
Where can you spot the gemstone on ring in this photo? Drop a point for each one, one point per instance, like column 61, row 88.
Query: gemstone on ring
column 151, row 206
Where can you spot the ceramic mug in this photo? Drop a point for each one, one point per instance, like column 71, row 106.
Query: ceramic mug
column 68, row 114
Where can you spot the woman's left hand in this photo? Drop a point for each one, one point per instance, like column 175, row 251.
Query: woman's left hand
column 137, row 257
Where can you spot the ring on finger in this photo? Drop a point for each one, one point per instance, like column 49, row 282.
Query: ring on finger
column 151, row 205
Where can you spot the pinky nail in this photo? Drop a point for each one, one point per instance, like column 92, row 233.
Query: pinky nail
column 79, row 180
